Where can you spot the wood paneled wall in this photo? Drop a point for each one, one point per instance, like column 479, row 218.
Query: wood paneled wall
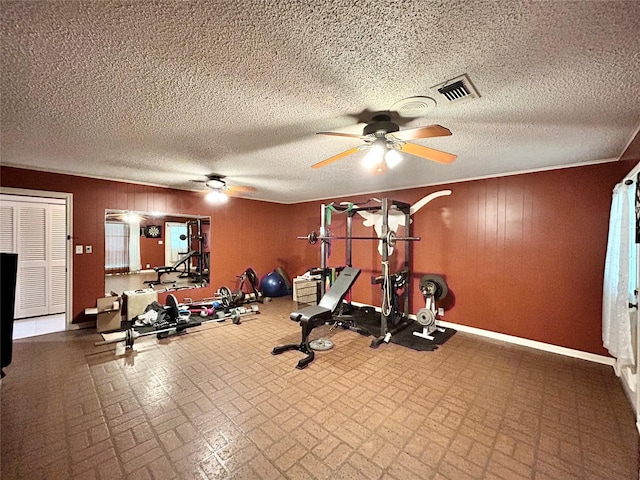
column 523, row 255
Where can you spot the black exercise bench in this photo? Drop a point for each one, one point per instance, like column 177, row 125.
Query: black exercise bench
column 317, row 315
column 170, row 268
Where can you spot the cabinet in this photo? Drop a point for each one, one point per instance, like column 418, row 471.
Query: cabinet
column 306, row 291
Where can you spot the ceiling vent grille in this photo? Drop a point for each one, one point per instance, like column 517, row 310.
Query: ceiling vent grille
column 455, row 91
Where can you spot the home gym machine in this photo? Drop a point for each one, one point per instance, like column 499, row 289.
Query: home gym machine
column 395, row 306
column 195, row 243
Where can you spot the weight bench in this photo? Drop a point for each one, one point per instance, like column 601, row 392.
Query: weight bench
column 170, row 268
column 316, row 315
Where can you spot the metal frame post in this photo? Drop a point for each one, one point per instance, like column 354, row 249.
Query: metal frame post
column 349, row 235
column 323, row 248
column 407, row 258
column 385, row 258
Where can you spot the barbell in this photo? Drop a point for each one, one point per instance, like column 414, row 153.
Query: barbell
column 390, row 238
column 130, row 335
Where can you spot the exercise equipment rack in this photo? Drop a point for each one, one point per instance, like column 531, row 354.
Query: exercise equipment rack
column 388, row 238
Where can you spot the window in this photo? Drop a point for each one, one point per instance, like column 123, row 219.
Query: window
column 116, row 244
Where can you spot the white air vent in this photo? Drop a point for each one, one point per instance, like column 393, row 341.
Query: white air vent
column 413, row 107
column 455, row 91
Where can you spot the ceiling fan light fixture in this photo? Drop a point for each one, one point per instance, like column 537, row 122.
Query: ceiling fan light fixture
column 392, row 158
column 215, row 183
column 216, row 196
column 374, row 156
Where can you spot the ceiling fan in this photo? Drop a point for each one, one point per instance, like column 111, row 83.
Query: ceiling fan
column 384, row 140
column 217, row 189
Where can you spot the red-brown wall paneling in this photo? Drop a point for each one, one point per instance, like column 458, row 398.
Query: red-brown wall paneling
column 242, row 231
column 525, row 254
column 522, row 255
column 248, row 233
column 304, row 218
column 151, row 249
column 151, row 253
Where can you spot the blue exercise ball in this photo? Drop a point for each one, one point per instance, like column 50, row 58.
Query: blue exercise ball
column 273, row 285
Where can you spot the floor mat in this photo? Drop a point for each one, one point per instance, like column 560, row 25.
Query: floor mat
column 406, row 338
column 370, row 323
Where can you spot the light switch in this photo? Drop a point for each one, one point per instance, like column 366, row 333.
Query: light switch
column 88, row 249
column 78, row 249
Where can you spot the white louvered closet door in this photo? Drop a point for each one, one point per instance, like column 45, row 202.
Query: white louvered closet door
column 37, row 233
column 32, row 296
column 7, row 232
column 57, row 255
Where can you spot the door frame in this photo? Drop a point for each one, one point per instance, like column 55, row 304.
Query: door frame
column 167, row 241
column 68, row 198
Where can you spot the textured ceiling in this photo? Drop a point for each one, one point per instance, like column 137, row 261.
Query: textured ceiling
column 165, row 92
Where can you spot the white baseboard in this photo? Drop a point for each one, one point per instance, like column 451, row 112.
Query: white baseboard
column 546, row 347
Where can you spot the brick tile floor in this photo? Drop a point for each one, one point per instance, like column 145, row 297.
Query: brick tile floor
column 215, row 404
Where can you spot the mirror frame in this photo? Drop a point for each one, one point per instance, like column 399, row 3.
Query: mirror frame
column 149, row 219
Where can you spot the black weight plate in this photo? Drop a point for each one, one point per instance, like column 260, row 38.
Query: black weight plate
column 225, row 296
column 172, row 306
column 431, row 279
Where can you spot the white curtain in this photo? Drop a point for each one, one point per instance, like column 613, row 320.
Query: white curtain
column 134, row 246
column 619, row 277
column 116, row 242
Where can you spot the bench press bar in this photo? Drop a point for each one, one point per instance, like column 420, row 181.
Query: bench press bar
column 390, row 238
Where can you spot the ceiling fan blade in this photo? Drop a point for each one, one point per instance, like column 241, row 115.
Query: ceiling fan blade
column 200, row 184
column 335, row 157
column 340, row 134
column 422, row 132
column 428, row 153
column 231, row 190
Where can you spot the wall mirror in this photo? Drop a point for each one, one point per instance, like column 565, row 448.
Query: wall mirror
column 155, row 250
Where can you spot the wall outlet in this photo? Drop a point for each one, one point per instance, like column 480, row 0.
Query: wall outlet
column 88, row 249
column 79, row 250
